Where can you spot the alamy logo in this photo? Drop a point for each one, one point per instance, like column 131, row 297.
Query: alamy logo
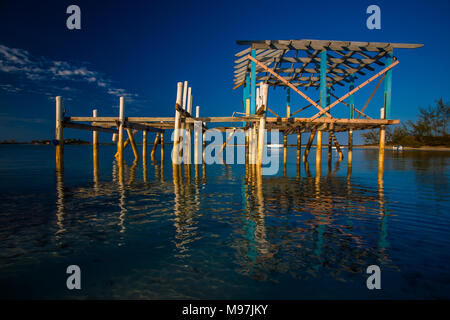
column 214, row 151
column 74, row 20
column 74, row 280
column 374, row 20
column 374, row 281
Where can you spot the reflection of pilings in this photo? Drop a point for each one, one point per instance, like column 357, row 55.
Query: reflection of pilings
column 298, row 164
column 382, row 242
column 185, row 210
column 132, row 174
column 121, row 187
column 60, row 202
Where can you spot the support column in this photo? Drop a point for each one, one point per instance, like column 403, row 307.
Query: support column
column 95, row 146
column 288, row 102
column 198, row 138
column 133, row 144
column 381, row 147
column 308, row 145
column 330, row 147
column 299, row 148
column 155, row 144
column 176, row 133
column 144, row 146
column 59, row 134
column 121, row 121
column 253, row 84
column 323, row 101
column 319, row 148
column 350, row 146
column 388, row 86
column 162, row 151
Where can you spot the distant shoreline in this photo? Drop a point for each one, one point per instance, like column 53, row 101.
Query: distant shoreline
column 81, row 142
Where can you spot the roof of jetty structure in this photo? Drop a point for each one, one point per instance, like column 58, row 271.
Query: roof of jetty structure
column 298, row 61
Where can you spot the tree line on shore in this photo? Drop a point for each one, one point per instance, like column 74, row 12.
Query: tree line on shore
column 430, row 129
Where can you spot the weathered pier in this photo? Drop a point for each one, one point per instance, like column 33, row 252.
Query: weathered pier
column 294, row 65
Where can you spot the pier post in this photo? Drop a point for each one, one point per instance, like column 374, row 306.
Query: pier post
column 59, row 134
column 299, row 147
column 253, row 84
column 330, row 147
column 350, row 146
column 187, row 143
column 155, row 144
column 381, row 146
column 121, row 122
column 176, row 132
column 319, row 148
column 308, row 145
column 264, row 88
column 95, row 146
column 162, row 149
column 197, row 138
column 133, row 144
column 144, row 146
column 288, row 103
column 323, row 101
column 338, row 147
column 388, row 86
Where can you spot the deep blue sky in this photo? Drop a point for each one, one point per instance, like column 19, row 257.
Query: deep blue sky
column 142, row 49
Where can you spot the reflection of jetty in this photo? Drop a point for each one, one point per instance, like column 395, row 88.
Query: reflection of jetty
column 292, row 64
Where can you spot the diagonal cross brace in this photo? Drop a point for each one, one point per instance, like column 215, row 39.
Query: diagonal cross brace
column 354, row 90
column 290, row 86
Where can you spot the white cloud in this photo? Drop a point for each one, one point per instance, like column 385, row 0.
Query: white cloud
column 21, row 63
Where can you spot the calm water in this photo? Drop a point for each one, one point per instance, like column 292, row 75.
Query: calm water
column 223, row 233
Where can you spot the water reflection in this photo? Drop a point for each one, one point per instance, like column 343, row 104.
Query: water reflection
column 229, row 221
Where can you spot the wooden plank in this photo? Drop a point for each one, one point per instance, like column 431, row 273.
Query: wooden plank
column 356, row 89
column 83, row 126
column 291, row 86
column 141, row 127
column 371, row 96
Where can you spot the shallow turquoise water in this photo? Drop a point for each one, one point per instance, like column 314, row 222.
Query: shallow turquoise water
column 223, row 233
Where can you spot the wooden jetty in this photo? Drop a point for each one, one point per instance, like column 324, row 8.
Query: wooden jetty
column 293, row 64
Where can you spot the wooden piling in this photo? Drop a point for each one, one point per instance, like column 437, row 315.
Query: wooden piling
column 381, row 146
column 338, row 147
column 155, row 144
column 262, row 122
column 350, row 146
column 198, row 136
column 121, row 122
column 176, row 133
column 59, row 134
column 144, row 146
column 308, row 145
column 187, row 142
column 161, row 135
column 133, row 144
column 330, row 147
column 95, row 147
column 319, row 148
